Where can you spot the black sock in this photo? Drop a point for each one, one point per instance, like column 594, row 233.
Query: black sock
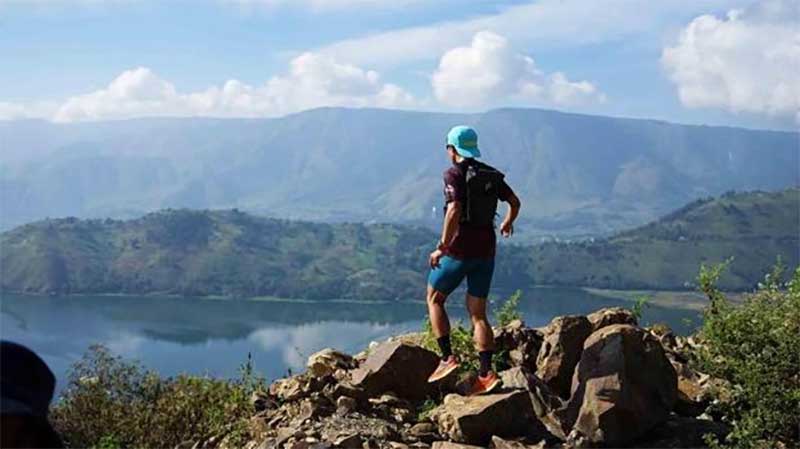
column 444, row 345
column 486, row 362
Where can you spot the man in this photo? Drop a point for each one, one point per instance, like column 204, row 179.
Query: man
column 466, row 249
column 26, row 388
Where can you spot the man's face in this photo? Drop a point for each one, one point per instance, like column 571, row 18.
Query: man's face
column 451, row 153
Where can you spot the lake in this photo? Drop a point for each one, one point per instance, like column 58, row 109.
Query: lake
column 214, row 336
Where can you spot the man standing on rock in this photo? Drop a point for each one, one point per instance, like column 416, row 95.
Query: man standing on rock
column 467, row 247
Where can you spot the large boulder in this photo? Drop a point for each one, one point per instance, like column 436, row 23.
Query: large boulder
column 519, row 342
column 611, row 315
column 397, row 367
column 544, row 402
column 327, row 361
column 474, row 419
column 561, row 350
column 623, row 386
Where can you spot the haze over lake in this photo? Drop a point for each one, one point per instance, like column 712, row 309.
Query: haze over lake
column 173, row 335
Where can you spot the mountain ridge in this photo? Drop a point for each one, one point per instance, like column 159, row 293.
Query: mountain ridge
column 230, row 253
column 577, row 174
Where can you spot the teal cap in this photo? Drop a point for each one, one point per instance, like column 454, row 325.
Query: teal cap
column 465, row 141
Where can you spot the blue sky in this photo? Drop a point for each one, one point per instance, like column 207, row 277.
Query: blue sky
column 694, row 61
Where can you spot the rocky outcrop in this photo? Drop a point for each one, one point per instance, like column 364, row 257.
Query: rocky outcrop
column 624, row 385
column 520, row 343
column 475, row 419
column 611, row 315
column 399, row 368
column 561, row 349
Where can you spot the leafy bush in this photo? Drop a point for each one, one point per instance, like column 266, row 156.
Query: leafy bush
column 509, row 311
column 755, row 347
column 111, row 403
column 640, row 303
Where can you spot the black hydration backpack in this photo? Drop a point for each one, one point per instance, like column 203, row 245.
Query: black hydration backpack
column 483, row 184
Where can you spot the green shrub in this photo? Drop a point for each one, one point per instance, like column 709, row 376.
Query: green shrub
column 640, row 303
column 755, row 347
column 509, row 310
column 111, row 403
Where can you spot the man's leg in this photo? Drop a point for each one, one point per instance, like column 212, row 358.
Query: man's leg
column 482, row 332
column 440, row 323
column 441, row 281
column 479, row 280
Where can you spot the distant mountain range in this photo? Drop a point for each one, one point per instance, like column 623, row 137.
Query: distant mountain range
column 576, row 174
column 234, row 254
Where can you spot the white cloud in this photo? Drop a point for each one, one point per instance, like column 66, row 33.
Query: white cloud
column 544, row 23
column 325, row 5
column 748, row 61
column 491, row 71
column 312, row 80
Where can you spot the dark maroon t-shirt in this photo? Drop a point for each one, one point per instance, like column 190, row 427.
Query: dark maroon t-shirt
column 469, row 241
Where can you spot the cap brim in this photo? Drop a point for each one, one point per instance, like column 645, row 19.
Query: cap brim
column 472, row 152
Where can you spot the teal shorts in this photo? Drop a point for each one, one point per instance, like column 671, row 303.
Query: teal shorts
column 452, row 271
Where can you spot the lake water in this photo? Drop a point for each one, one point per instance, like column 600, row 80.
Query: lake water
column 206, row 336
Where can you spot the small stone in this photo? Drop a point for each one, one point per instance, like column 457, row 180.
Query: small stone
column 326, row 362
column 345, row 405
column 452, row 445
column 348, row 441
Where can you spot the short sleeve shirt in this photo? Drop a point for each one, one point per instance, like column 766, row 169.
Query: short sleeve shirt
column 469, row 241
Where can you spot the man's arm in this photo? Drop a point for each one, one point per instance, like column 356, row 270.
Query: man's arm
column 507, row 227
column 452, row 218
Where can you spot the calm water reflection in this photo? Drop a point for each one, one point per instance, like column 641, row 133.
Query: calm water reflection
column 175, row 335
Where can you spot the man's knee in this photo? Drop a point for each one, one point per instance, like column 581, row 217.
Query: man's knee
column 435, row 296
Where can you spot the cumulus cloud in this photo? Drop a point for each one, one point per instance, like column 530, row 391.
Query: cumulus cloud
column 544, row 23
column 312, row 80
column 489, row 70
column 325, row 5
column 747, row 61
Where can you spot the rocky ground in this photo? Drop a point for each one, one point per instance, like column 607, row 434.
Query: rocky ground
column 581, row 381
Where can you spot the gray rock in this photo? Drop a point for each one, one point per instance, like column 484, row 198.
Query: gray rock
column 609, row 316
column 326, row 362
column 560, row 352
column 399, row 368
column 349, row 441
column 345, row 405
column 545, row 403
column 623, row 386
column 474, row 419
column 452, row 445
column 521, row 343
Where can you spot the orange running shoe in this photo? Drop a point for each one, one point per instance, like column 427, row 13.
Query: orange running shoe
column 445, row 367
column 484, row 384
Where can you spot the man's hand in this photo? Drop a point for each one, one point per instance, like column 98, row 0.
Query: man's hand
column 506, row 229
column 435, row 257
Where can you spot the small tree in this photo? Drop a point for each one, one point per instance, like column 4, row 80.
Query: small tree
column 755, row 347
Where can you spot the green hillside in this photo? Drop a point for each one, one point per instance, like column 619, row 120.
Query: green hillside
column 752, row 228
column 233, row 254
column 225, row 253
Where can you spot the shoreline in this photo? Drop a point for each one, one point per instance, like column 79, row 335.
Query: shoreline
column 672, row 299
